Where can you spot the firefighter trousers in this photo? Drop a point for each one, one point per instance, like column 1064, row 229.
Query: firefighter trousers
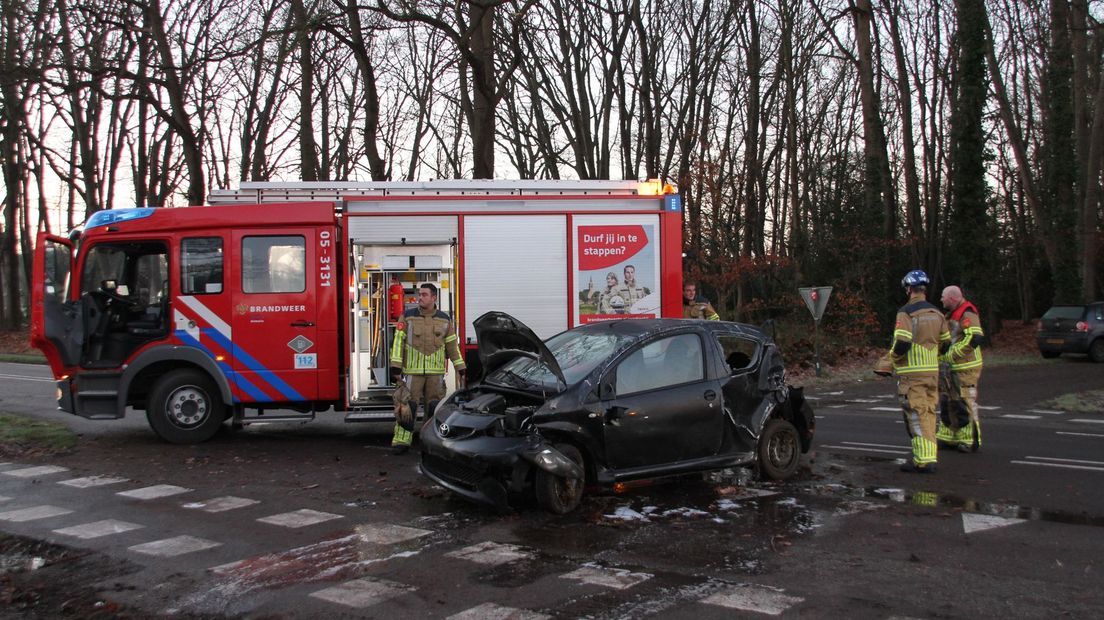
column 918, row 396
column 960, row 423
column 420, row 389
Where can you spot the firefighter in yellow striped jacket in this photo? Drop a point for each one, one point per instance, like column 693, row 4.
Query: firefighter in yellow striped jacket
column 422, row 337
column 919, row 336
column 962, row 424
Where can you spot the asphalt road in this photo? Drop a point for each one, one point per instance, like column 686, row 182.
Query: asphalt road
column 315, row 520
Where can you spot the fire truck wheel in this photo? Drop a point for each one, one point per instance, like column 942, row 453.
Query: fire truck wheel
column 185, row 407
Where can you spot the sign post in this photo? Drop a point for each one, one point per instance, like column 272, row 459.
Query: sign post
column 816, row 298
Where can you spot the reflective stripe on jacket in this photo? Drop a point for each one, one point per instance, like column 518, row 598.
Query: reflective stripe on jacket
column 421, row 341
column 918, row 335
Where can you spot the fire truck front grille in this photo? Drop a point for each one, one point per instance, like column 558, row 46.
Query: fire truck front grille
column 456, row 473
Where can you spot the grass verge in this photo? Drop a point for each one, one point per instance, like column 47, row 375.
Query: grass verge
column 1078, row 402
column 20, row 436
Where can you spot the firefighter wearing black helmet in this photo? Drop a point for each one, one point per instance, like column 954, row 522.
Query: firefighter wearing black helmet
column 920, row 335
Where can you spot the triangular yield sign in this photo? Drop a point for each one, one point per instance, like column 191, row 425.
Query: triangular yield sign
column 979, row 523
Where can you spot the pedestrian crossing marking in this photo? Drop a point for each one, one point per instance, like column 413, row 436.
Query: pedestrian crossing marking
column 33, row 514
column 299, row 518
column 91, row 481
column 973, row 523
column 607, row 577
column 172, row 547
column 386, row 534
column 492, row 553
column 98, row 529
column 221, row 504
column 492, row 611
column 154, row 492
column 754, row 598
column 31, row 472
column 361, row 593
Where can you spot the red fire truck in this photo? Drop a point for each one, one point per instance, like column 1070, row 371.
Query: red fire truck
column 278, row 300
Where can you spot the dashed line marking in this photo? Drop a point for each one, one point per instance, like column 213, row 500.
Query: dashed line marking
column 902, row 451
column 1080, row 434
column 1061, row 460
column 1060, row 465
column 988, row 407
column 876, row 445
column 754, row 598
column 885, row 409
column 1018, row 416
column 1081, row 420
column 1046, row 411
column 26, row 378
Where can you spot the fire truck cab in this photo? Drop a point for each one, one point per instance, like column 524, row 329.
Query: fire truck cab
column 280, row 300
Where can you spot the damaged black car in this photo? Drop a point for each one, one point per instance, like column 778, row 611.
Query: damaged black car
column 614, row 402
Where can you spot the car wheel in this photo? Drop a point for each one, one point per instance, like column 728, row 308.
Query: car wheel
column 558, row 494
column 1050, row 354
column 1096, row 350
column 779, row 450
column 185, row 407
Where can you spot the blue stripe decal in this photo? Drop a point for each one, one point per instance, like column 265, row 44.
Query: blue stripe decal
column 252, row 364
column 241, row 382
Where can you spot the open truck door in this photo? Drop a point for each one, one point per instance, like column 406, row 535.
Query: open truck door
column 56, row 326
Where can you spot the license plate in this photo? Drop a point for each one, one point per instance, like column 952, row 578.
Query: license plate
column 1055, row 341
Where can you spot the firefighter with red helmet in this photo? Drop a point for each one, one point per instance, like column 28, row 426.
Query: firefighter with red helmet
column 422, row 338
column 961, row 424
column 919, row 336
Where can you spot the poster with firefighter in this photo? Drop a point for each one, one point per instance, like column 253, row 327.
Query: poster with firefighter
column 615, row 271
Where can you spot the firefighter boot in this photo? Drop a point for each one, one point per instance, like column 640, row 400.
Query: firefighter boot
column 944, row 435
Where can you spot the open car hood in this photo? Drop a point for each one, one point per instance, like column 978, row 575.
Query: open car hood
column 502, row 338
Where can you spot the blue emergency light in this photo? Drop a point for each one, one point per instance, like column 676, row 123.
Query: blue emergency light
column 114, row 216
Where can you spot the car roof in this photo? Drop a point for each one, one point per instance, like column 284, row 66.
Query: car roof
column 640, row 328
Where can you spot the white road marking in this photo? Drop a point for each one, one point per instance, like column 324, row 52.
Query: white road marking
column 836, row 406
column 1016, row 416
column 33, row 514
column 31, row 472
column 862, row 400
column 988, row 407
column 1046, row 411
column 361, row 593
column 607, row 577
column 492, row 553
column 972, row 523
column 154, row 492
column 876, row 445
column 221, row 504
column 299, row 518
column 172, row 547
column 1061, row 465
column 902, row 451
column 97, row 529
column 91, row 481
column 1080, row 434
column 754, row 598
column 1082, row 420
column 386, row 534
column 26, row 378
column 1061, row 460
column 492, row 611
column 4, row 498
column 819, row 417
column 885, row 408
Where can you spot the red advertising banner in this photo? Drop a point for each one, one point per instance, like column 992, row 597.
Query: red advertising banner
column 601, row 247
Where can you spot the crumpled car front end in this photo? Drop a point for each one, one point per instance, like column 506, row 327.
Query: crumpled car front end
column 484, row 448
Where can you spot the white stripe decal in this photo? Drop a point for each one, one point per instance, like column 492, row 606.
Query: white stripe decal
column 206, row 314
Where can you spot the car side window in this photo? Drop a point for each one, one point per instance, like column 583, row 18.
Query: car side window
column 739, row 353
column 661, row 363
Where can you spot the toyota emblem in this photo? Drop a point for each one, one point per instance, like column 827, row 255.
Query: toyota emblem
column 444, row 429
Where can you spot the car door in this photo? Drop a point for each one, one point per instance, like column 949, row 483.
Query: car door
column 660, row 406
column 275, row 336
